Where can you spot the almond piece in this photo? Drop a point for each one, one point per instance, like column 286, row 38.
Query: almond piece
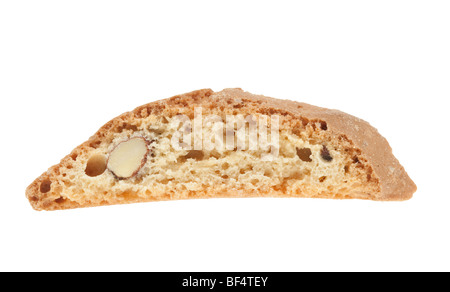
column 128, row 157
column 325, row 153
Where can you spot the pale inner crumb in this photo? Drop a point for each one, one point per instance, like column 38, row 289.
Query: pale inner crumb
column 299, row 169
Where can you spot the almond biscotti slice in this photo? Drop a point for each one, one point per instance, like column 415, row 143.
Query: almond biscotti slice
column 207, row 144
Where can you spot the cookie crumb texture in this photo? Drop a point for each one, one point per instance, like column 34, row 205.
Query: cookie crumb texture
column 322, row 154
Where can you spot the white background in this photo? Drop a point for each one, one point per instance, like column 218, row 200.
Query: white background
column 68, row 67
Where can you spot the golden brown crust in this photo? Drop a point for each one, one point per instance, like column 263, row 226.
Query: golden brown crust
column 394, row 183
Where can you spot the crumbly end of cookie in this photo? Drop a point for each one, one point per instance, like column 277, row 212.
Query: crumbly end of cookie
column 311, row 161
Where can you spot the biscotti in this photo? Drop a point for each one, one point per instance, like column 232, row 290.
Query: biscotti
column 232, row 144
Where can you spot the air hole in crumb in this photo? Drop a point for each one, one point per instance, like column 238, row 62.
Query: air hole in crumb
column 214, row 154
column 128, row 195
column 268, row 172
column 166, row 181
column 131, row 127
column 297, row 175
column 323, row 126
column 95, row 144
column 45, row 186
column 96, row 165
column 60, row 200
column 322, row 178
column 156, row 131
column 195, row 154
column 225, row 166
column 346, row 168
column 304, row 154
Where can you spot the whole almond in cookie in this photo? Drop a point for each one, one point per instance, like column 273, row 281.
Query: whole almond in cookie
column 127, row 158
